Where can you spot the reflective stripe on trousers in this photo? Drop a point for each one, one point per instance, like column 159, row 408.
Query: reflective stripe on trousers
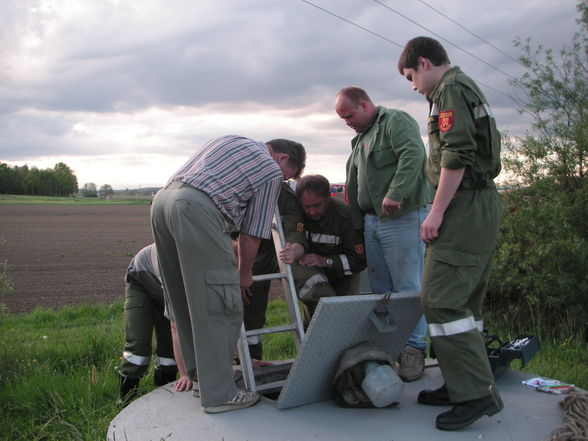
column 455, row 327
column 163, row 361
column 311, row 283
column 138, row 360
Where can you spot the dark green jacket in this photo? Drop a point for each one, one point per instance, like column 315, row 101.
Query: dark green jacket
column 462, row 130
column 334, row 236
column 292, row 220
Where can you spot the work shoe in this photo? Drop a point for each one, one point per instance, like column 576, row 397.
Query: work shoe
column 127, row 390
column 161, row 378
column 241, row 400
column 195, row 389
column 437, row 397
column 464, row 414
column 412, row 364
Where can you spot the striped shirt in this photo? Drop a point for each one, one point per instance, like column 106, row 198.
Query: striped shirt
column 242, row 179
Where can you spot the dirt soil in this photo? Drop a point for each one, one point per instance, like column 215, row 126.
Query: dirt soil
column 58, row 255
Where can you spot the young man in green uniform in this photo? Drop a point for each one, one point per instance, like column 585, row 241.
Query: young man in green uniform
column 335, row 256
column 461, row 230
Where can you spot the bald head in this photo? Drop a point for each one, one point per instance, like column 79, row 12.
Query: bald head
column 354, row 106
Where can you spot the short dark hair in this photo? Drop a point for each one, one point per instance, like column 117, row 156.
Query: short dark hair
column 425, row 47
column 294, row 150
column 354, row 94
column 316, row 184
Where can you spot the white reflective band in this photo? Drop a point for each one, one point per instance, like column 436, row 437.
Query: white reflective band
column 480, row 325
column 311, row 283
column 345, row 263
column 166, row 361
column 139, row 360
column 253, row 339
column 482, row 111
column 325, row 239
column 451, row 328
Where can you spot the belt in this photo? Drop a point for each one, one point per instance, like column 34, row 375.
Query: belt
column 372, row 212
column 470, row 184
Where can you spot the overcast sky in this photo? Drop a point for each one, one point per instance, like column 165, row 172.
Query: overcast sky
column 124, row 91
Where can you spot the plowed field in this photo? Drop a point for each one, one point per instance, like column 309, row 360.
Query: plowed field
column 59, row 255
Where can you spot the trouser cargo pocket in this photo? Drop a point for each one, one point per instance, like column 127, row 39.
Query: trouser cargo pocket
column 222, row 292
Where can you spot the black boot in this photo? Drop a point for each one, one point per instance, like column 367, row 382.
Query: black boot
column 161, row 378
column 256, row 351
column 127, row 388
column 464, row 414
column 437, row 397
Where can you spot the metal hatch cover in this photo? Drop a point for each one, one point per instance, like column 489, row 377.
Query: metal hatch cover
column 338, row 324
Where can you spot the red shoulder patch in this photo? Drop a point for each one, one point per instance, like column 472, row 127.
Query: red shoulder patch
column 300, row 227
column 446, row 120
column 359, row 248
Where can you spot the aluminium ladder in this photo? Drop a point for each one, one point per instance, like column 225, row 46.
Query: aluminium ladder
column 295, row 325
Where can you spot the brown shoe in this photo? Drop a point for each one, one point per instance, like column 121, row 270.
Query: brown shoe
column 412, row 364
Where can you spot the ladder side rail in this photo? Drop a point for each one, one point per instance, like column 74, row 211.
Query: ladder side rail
column 289, row 287
column 245, row 359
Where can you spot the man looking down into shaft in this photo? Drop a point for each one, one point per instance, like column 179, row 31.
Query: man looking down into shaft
column 230, row 184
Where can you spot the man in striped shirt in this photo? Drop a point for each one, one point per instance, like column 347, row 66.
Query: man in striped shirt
column 231, row 184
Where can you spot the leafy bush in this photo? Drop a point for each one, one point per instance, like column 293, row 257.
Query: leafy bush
column 540, row 275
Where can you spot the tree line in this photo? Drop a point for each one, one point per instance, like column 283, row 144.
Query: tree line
column 57, row 181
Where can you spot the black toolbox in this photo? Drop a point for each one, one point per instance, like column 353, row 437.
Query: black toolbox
column 523, row 347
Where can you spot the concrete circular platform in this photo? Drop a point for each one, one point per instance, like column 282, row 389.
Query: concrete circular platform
column 171, row 416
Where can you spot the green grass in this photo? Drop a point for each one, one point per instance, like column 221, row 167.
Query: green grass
column 57, row 379
column 74, row 200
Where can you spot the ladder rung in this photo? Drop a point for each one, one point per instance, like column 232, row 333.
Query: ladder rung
column 271, row 276
column 271, row 330
column 273, row 385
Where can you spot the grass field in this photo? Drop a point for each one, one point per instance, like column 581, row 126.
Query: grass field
column 57, row 379
column 77, row 200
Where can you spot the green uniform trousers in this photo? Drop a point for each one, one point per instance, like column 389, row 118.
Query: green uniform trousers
column 457, row 268
column 199, row 272
column 312, row 283
column 142, row 316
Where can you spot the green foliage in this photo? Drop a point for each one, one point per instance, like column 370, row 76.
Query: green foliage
column 540, row 275
column 106, row 191
column 278, row 346
column 556, row 90
column 89, row 190
column 57, row 378
column 58, row 181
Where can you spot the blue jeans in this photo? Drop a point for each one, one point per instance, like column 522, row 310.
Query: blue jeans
column 395, row 259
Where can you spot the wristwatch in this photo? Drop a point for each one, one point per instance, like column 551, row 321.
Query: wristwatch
column 329, row 262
